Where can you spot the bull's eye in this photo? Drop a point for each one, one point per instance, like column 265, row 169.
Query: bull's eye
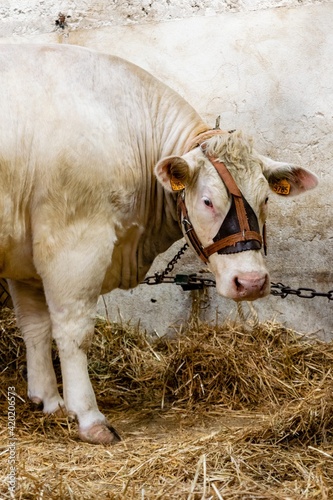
column 207, row 202
column 266, row 200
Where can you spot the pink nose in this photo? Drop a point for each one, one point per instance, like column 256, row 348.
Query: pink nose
column 250, row 286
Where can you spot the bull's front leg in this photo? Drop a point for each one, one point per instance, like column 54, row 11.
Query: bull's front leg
column 72, row 280
column 73, row 328
column 33, row 319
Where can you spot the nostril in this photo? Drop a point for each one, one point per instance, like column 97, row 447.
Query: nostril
column 239, row 285
column 264, row 282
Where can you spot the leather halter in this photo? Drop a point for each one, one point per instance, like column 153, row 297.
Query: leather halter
column 239, row 230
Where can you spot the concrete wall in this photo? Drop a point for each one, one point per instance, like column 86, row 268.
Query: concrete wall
column 265, row 66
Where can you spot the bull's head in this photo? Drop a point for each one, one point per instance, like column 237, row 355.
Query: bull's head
column 223, row 191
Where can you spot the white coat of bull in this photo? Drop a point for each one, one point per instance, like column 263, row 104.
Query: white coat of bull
column 88, row 146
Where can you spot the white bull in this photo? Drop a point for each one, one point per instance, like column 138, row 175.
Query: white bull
column 82, row 212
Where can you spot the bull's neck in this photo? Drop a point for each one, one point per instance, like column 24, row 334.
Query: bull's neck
column 173, row 122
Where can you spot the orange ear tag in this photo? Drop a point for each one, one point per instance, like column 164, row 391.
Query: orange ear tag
column 282, row 187
column 176, row 184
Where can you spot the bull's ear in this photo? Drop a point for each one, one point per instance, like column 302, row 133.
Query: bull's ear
column 288, row 180
column 173, row 173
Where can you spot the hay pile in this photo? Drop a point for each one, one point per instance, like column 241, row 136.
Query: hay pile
column 219, row 412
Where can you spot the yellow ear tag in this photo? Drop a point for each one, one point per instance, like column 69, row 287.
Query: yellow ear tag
column 282, row 187
column 176, row 184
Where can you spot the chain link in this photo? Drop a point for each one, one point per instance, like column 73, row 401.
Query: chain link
column 158, row 278
column 193, row 281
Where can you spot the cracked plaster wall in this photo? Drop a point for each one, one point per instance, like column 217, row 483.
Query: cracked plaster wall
column 265, row 66
column 26, row 17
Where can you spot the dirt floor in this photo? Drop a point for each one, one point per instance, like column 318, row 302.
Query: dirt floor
column 222, row 412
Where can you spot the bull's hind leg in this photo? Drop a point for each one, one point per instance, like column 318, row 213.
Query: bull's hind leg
column 33, row 319
column 72, row 282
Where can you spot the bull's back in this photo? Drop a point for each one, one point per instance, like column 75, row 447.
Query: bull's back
column 51, row 95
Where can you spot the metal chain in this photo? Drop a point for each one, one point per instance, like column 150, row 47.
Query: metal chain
column 161, row 277
column 193, row 281
column 305, row 293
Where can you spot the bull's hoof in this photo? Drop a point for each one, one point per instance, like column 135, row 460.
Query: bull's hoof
column 99, row 434
column 37, row 402
column 54, row 406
